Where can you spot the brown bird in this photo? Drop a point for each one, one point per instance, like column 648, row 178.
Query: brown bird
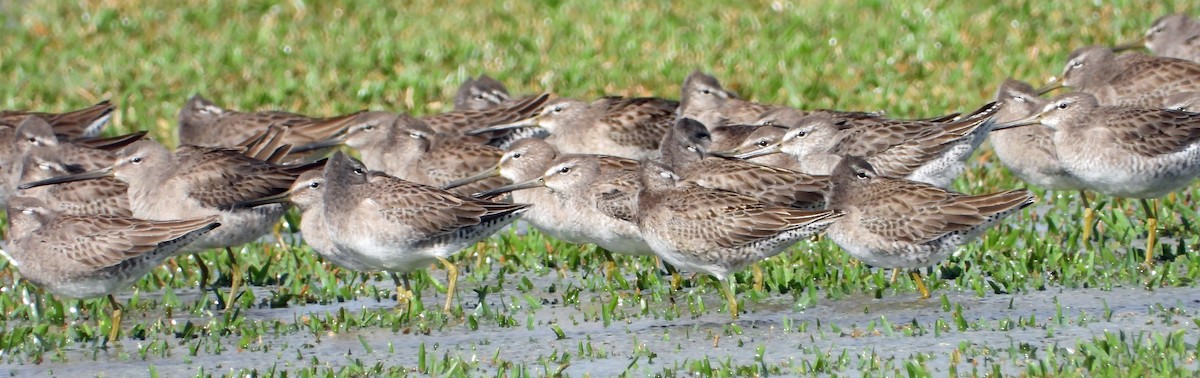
column 92, row 256
column 1130, row 79
column 904, row 224
column 480, row 93
column 83, row 123
column 202, row 123
column 616, row 126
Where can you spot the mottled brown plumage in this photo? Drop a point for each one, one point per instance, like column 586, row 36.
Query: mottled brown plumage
column 717, row 232
column 407, row 148
column 684, row 150
column 82, row 123
column 459, row 122
column 480, row 93
column 202, row 123
column 1174, row 36
column 1130, row 79
column 931, row 152
column 702, row 98
column 92, row 256
column 385, row 223
column 1029, row 151
column 898, row 223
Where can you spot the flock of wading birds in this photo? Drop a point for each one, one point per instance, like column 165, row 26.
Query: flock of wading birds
column 711, row 183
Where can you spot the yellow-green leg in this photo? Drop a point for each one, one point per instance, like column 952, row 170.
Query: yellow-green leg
column 916, row 275
column 235, row 278
column 404, row 295
column 1151, row 229
column 203, row 271
column 729, row 297
column 1089, row 216
column 115, row 329
column 452, row 278
column 758, row 276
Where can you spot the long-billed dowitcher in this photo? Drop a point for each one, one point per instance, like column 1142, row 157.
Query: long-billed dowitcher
column 904, row 224
column 1123, row 151
column 1029, row 152
column 405, row 147
column 104, row 196
column 702, row 98
column 527, row 160
column 1130, row 79
column 925, row 151
column 714, row 231
column 585, row 199
column 762, row 137
column 457, row 123
column 480, row 93
column 1173, row 36
column 617, row 126
column 202, row 123
column 92, row 256
column 199, row 181
column 1186, row 102
column 684, row 151
column 83, row 123
column 398, row 226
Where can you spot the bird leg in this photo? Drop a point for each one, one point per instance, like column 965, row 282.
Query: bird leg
column 916, row 275
column 452, row 278
column 1089, row 216
column 757, row 272
column 403, row 293
column 115, row 319
column 729, row 297
column 235, row 278
column 1151, row 229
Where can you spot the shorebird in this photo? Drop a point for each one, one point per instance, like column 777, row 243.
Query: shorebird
column 1187, row 102
column 1122, row 151
column 524, row 164
column 92, row 256
column 1173, row 36
column 202, row 123
column 405, row 147
column 83, row 123
column 459, row 122
column 762, row 137
column 1130, row 79
column 1029, row 152
column 199, row 181
column 480, row 93
column 920, row 150
column 398, row 226
column 702, row 98
column 104, row 196
column 617, row 126
column 34, row 136
column 904, row 224
column 684, row 150
column 584, row 199
column 714, row 231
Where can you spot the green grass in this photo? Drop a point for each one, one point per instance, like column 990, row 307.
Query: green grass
column 322, row 58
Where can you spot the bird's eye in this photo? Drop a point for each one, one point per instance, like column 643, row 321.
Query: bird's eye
column 762, row 143
column 136, row 160
column 801, row 134
column 768, row 123
column 368, row 127
column 705, row 91
column 564, row 170
column 516, row 155
column 33, row 140
column 359, row 171
column 416, row 135
column 1062, row 105
column 1077, row 64
column 1018, row 98
column 558, row 109
column 692, row 148
column 861, row 175
column 314, row 184
column 479, row 97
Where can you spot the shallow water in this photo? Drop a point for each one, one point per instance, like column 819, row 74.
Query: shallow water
column 788, row 335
